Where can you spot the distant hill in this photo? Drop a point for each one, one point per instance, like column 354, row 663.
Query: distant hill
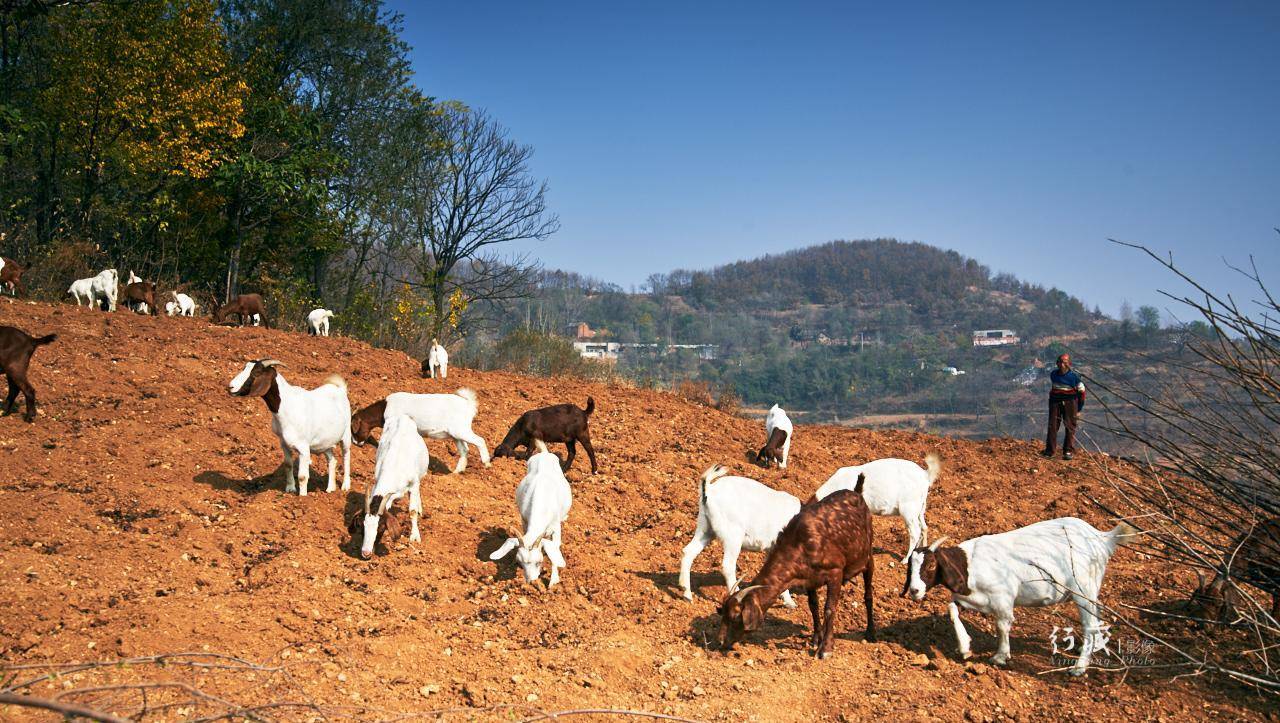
column 843, row 330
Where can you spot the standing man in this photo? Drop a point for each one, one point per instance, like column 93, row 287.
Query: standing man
column 1066, row 399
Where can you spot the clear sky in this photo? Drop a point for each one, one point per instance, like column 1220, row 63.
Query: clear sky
column 684, row 135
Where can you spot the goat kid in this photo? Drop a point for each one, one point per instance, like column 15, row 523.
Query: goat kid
column 893, row 487
column 305, row 420
column 544, row 499
column 558, row 423
column 437, row 362
column 16, row 348
column 438, row 416
column 826, row 544
column 185, row 305
column 141, row 297
column 1042, row 564
column 318, row 322
column 777, row 432
column 401, row 463
column 744, row 515
column 1253, row 557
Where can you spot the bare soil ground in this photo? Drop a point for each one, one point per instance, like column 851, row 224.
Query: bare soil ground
column 144, row 513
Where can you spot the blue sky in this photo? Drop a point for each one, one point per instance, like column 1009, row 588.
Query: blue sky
column 684, row 135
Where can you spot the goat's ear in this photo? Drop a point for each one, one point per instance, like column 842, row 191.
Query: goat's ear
column 553, row 553
column 752, row 615
column 506, row 549
column 260, row 380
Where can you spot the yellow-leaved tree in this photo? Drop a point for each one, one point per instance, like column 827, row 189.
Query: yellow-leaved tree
column 141, row 91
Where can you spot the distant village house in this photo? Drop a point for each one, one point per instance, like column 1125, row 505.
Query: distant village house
column 995, row 337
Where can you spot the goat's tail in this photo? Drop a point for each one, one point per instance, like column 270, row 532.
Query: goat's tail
column 591, row 406
column 713, row 473
column 336, row 381
column 467, row 394
column 42, row 340
column 1123, row 534
column 933, row 463
column 862, row 478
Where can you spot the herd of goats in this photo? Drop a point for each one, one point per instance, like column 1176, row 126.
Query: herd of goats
column 821, row 543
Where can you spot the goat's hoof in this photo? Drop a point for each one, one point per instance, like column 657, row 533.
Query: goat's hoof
column 791, row 604
column 999, row 659
column 823, row 655
column 415, row 538
column 688, row 596
column 1078, row 672
column 966, row 654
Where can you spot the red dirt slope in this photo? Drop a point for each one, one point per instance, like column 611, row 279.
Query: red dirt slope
column 143, row 513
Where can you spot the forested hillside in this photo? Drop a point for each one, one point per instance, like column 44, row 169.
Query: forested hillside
column 852, row 329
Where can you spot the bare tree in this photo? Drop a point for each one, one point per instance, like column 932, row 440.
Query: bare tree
column 1211, row 477
column 471, row 196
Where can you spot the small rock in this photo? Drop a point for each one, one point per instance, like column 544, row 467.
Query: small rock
column 920, row 659
column 429, row 689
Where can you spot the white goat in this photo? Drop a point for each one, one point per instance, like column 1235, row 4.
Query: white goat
column 318, row 322
column 133, row 278
column 438, row 361
column 401, row 463
column 186, row 305
column 777, row 435
column 170, row 308
column 744, row 515
column 305, row 420
column 96, row 289
column 544, row 499
column 1041, row 564
column 893, row 487
column 438, row 416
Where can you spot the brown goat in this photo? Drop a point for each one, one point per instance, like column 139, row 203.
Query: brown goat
column 1254, row 558
column 11, row 275
column 141, row 292
column 772, row 449
column 246, row 305
column 558, row 423
column 393, row 524
column 824, row 545
column 16, row 348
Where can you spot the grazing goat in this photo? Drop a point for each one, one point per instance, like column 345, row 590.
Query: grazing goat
column 544, row 499
column 744, row 515
column 16, row 348
column 141, row 297
column 170, row 308
column 11, row 275
column 1041, row 564
column 438, row 416
column 777, row 432
column 186, row 306
column 826, row 544
column 1254, row 557
column 437, row 362
column 247, row 306
column 558, row 423
column 402, row 461
column 305, row 420
column 96, row 290
column 893, row 487
column 318, row 322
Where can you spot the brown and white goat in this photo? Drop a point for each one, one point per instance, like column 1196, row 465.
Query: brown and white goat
column 825, row 545
column 558, row 423
column 11, row 275
column 139, row 293
column 246, row 305
column 16, row 348
column 777, row 431
column 1253, row 557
